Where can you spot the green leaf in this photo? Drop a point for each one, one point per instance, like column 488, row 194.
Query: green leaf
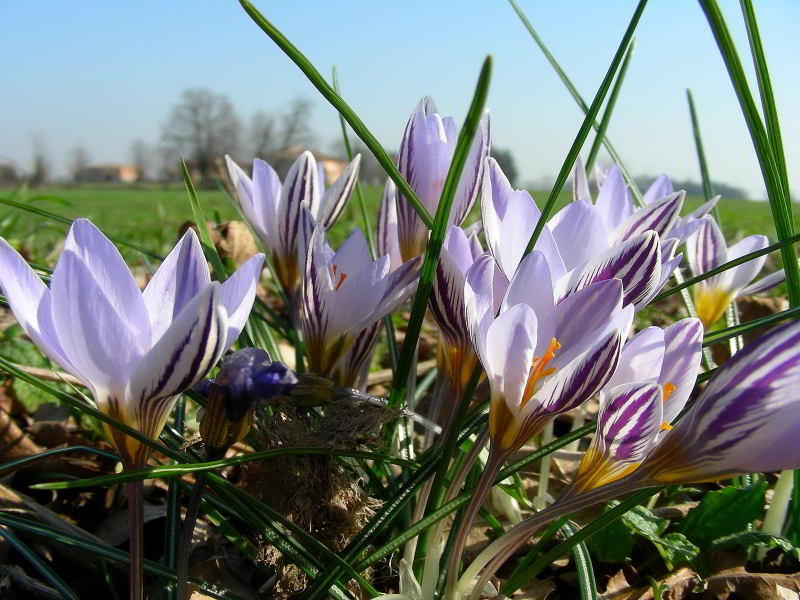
column 760, row 539
column 613, row 543
column 676, row 549
column 22, row 352
column 583, row 565
column 640, row 520
column 339, row 104
column 724, row 512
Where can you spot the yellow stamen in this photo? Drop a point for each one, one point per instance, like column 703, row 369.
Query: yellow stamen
column 668, row 389
column 710, row 303
column 539, row 370
column 665, row 426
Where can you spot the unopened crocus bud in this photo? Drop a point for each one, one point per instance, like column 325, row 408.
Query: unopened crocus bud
column 245, row 378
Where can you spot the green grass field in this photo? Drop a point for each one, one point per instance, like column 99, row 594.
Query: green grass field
column 152, row 216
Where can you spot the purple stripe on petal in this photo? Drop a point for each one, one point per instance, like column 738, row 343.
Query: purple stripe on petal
column 335, row 197
column 629, row 420
column 659, row 216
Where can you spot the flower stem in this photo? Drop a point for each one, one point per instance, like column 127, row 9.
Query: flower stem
column 187, row 530
column 135, row 491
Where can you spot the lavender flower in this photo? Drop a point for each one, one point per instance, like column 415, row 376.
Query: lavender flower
column 274, row 210
column 610, row 244
column 134, row 351
column 345, row 292
column 424, row 158
column 706, row 249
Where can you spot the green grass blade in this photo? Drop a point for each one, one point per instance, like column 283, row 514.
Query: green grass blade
column 201, row 225
column 584, row 533
column 778, row 199
column 612, row 100
column 765, row 90
column 730, row 332
column 438, row 233
column 708, row 190
column 583, row 564
column 104, row 551
column 172, row 536
column 391, row 339
column 583, row 132
column 26, row 460
column 466, row 495
column 39, row 564
column 578, row 98
column 212, row 465
column 729, row 265
column 358, row 126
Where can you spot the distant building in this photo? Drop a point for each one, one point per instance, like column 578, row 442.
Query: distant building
column 332, row 166
column 8, row 174
column 108, row 174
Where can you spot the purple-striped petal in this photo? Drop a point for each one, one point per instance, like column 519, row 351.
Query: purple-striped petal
column 683, row 349
column 580, row 233
column 182, row 275
column 423, row 159
column 629, row 421
column 704, row 209
column 447, row 296
column 661, row 187
column 469, row 185
column 741, row 276
column 335, row 197
column 102, row 259
column 301, row 188
column 237, row 294
column 745, row 420
column 614, row 199
column 30, row 301
column 580, row 184
column 354, row 366
column 583, row 376
column 706, row 249
column 765, row 283
column 667, row 269
column 636, row 262
column 387, row 241
column 586, row 311
column 642, row 358
column 659, row 216
column 189, row 348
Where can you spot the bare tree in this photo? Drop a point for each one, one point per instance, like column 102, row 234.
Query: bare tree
column 202, row 126
column 78, row 162
column 295, row 124
column 40, row 169
column 141, row 158
column 263, row 136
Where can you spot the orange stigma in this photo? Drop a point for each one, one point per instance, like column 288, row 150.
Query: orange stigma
column 668, row 389
column 342, row 277
column 539, row 369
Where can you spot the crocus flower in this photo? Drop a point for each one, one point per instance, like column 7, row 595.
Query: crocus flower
column 640, row 261
column 685, row 226
column 656, row 373
column 458, row 254
column 345, row 292
column 134, row 351
column 424, row 158
column 541, row 357
column 706, row 249
column 273, row 210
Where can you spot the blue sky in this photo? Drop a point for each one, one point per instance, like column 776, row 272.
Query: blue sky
column 102, row 74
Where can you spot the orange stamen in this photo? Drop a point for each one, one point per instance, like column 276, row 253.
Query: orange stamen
column 539, row 370
column 342, row 277
column 665, row 426
column 668, row 389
